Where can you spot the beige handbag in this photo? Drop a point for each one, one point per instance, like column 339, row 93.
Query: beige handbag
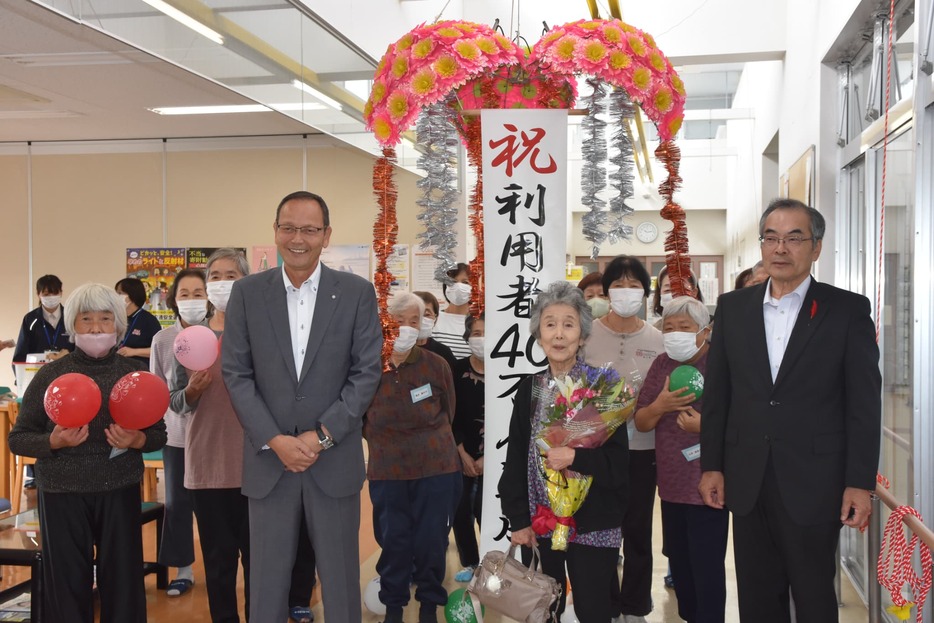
column 505, row 585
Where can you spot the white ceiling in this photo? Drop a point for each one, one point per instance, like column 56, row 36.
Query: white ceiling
column 62, row 81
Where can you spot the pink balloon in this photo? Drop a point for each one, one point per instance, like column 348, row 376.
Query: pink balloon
column 196, row 347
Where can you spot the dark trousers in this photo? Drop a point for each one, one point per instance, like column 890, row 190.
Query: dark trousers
column 593, row 575
column 635, row 594
column 468, row 511
column 303, row 571
column 224, row 531
column 695, row 539
column 773, row 554
column 178, row 539
column 72, row 525
column 413, row 517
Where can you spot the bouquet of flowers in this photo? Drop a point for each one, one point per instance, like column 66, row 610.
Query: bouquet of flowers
column 589, row 406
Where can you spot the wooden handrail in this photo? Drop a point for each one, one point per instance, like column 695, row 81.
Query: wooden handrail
column 924, row 533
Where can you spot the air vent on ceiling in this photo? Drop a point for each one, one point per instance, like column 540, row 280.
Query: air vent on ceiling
column 9, row 95
column 70, row 59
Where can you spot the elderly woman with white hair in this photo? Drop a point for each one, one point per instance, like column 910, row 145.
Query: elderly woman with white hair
column 414, row 469
column 88, row 497
column 561, row 321
column 695, row 534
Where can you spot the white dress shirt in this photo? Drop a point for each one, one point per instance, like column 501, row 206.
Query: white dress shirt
column 780, row 316
column 52, row 317
column 301, row 304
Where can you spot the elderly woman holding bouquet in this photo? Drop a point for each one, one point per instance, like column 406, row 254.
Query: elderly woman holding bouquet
column 546, row 462
column 695, row 534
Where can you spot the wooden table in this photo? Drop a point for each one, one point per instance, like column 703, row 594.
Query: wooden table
column 8, row 412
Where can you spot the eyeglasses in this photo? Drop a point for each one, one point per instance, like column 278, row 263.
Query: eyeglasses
column 291, row 230
column 791, row 242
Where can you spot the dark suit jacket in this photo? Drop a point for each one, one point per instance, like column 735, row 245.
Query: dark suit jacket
column 819, row 421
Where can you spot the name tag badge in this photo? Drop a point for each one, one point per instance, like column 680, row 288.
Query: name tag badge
column 692, row 453
column 420, row 393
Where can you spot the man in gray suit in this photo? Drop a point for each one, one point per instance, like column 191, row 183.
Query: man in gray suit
column 301, row 359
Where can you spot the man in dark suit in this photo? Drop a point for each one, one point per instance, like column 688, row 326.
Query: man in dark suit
column 791, row 423
column 301, row 359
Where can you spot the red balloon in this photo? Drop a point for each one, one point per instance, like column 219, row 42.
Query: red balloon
column 139, row 400
column 72, row 400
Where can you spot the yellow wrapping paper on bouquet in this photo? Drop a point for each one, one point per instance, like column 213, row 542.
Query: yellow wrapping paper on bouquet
column 566, row 491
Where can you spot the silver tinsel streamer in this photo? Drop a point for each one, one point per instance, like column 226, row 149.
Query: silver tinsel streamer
column 437, row 136
column 621, row 177
column 593, row 171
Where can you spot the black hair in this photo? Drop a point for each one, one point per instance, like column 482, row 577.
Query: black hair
column 657, row 298
column 454, row 272
column 626, row 266
column 304, row 194
column 430, row 300
column 134, row 289
column 49, row 283
column 469, row 322
column 188, row 272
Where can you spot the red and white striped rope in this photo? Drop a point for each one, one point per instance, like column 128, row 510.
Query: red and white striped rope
column 896, row 554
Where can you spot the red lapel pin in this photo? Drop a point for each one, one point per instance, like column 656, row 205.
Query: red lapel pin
column 813, row 309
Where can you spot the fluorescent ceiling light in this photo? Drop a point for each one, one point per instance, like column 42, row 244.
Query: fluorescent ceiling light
column 234, row 108
column 187, row 20
column 301, row 86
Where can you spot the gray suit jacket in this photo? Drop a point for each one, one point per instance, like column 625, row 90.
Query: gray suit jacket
column 339, row 377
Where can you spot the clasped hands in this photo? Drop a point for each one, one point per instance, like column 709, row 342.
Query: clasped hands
column 117, row 436
column 297, row 453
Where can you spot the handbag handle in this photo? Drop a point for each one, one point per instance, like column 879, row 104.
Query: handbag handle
column 535, row 565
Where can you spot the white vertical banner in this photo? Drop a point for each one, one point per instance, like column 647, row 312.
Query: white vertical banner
column 524, row 208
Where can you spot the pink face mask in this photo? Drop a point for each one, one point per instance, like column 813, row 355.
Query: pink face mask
column 95, row 344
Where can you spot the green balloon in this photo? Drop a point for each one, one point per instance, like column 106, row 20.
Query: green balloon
column 459, row 609
column 687, row 376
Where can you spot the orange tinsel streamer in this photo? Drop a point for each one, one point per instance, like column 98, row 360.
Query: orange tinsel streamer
column 676, row 242
column 474, row 155
column 385, row 230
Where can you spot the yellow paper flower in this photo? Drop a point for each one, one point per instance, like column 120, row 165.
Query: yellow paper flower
column 446, row 66
column 486, row 45
column 663, row 100
column 626, row 27
column 378, row 92
column 674, row 125
column 467, row 49
column 619, row 60
column 565, row 48
column 400, row 66
column 382, row 129
column 612, row 34
column 649, row 39
column 368, row 108
column 594, row 51
column 552, row 36
column 398, row 105
column 424, row 81
column 641, row 78
column 449, row 32
column 657, row 61
column 405, row 42
column 467, row 28
column 504, row 43
column 638, row 48
column 591, row 25
column 423, row 48
column 678, row 84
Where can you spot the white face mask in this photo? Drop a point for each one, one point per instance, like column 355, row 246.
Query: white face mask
column 219, row 293
column 51, row 302
column 428, row 325
column 476, row 346
column 192, row 311
column 95, row 345
column 626, row 302
column 599, row 307
column 126, row 300
column 681, row 345
column 405, row 340
column 458, row 293
column 666, row 298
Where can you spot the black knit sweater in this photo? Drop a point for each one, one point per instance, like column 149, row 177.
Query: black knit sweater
column 86, row 468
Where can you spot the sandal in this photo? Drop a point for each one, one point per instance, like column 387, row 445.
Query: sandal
column 301, row 614
column 178, row 586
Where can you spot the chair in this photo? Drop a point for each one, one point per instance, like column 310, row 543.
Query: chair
column 152, row 462
column 17, row 493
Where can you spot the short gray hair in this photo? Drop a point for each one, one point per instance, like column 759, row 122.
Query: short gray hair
column 816, row 219
column 690, row 307
column 94, row 297
column 227, row 253
column 401, row 301
column 561, row 293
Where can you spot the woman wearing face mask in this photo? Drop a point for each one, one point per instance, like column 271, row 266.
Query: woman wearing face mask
column 141, row 325
column 695, row 535
column 413, row 469
column 663, row 294
column 592, row 287
column 189, row 300
column 630, row 345
column 214, row 454
column 468, row 435
column 449, row 329
column 87, row 499
column 428, row 325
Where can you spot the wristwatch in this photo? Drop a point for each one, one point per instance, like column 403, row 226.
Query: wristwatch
column 325, row 440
